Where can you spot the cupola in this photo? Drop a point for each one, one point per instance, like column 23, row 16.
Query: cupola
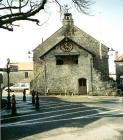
column 68, row 24
column 67, row 19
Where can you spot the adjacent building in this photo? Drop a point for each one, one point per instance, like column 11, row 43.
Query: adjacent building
column 21, row 72
column 71, row 61
column 119, row 71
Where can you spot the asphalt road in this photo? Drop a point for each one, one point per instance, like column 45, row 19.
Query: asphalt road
column 64, row 117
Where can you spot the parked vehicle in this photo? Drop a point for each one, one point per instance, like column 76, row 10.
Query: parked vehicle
column 18, row 87
column 5, row 86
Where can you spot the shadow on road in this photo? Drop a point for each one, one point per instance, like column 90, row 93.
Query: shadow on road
column 53, row 120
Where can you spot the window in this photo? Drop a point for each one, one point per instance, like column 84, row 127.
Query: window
column 121, row 81
column 59, row 62
column 23, row 85
column 67, row 60
column 26, row 75
column 67, row 17
column 76, row 61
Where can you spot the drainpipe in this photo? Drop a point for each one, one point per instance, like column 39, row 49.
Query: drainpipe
column 91, row 66
column 45, row 76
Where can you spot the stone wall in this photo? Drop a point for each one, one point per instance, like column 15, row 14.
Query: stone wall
column 16, row 77
column 62, row 78
column 92, row 63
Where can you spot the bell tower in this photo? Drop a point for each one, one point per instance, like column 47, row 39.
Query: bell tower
column 67, row 21
column 68, row 24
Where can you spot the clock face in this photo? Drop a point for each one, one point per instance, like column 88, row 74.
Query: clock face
column 66, row 46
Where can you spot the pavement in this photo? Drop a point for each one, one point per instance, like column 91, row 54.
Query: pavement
column 64, row 117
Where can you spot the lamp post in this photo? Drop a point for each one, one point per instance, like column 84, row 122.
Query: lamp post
column 8, row 81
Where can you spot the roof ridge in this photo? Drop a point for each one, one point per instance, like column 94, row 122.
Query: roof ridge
column 51, row 36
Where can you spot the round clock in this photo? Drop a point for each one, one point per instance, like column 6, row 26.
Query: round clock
column 66, row 46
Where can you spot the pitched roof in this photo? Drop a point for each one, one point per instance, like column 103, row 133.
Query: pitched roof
column 120, row 59
column 68, row 39
column 49, row 43
column 79, row 37
column 24, row 66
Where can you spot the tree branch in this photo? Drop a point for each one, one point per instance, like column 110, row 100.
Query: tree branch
column 7, row 28
column 14, row 7
column 34, row 20
column 12, row 10
column 7, row 20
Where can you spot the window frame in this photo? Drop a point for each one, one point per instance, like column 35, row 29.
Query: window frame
column 72, row 59
column 26, row 74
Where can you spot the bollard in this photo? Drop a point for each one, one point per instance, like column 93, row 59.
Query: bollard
column 24, row 95
column 9, row 101
column 37, row 102
column 33, row 97
column 13, row 105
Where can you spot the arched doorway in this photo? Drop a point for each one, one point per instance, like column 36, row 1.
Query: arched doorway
column 82, row 84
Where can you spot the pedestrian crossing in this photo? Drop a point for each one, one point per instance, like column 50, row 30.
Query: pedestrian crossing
column 51, row 111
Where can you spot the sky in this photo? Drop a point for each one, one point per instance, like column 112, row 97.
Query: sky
column 105, row 24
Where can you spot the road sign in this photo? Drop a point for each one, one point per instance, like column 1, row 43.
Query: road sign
column 13, row 68
column 3, row 69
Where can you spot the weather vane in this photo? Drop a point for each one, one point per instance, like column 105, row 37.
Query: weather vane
column 66, row 8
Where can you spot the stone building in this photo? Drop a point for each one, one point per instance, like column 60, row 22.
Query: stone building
column 119, row 71
column 71, row 61
column 23, row 73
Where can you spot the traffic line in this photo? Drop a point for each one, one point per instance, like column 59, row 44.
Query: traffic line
column 5, row 112
column 27, row 111
column 54, row 107
column 54, row 111
column 36, row 121
column 49, row 117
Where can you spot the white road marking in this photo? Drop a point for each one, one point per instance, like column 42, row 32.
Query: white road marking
column 49, row 104
column 54, row 111
column 5, row 112
column 53, row 116
column 22, row 123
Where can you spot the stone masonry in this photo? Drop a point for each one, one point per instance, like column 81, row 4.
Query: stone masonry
column 89, row 75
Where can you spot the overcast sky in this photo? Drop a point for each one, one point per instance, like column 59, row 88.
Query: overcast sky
column 106, row 25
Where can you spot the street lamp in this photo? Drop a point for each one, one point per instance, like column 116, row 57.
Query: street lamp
column 30, row 54
column 8, row 82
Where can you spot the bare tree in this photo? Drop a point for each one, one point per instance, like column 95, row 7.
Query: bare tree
column 15, row 10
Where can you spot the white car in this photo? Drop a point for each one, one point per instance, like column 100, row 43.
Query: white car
column 18, row 87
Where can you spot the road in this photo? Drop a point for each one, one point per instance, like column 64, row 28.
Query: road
column 64, row 117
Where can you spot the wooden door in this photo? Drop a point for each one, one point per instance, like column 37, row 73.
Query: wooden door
column 82, row 82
